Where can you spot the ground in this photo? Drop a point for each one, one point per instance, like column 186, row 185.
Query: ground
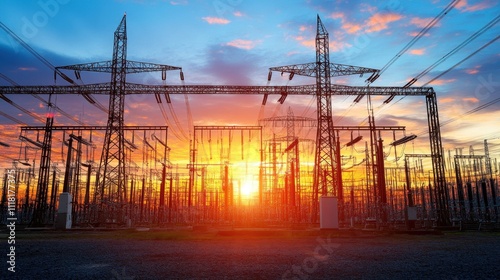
column 252, row 254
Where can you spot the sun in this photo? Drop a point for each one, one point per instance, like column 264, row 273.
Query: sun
column 249, row 187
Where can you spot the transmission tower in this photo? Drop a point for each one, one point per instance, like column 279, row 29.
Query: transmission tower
column 110, row 181
column 111, row 171
column 325, row 171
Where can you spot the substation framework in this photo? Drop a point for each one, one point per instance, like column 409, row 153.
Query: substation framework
column 96, row 205
column 326, row 175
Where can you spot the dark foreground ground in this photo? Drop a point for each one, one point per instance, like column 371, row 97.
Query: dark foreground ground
column 252, row 254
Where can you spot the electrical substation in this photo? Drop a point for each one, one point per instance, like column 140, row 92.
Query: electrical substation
column 271, row 173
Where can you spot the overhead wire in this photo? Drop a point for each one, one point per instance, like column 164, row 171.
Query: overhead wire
column 412, row 42
column 422, row 32
column 455, row 50
column 461, row 61
column 49, row 65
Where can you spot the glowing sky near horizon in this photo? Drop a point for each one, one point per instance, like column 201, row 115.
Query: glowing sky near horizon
column 236, row 41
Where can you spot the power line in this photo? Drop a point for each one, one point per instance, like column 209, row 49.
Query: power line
column 455, row 50
column 431, row 24
column 51, row 66
column 461, row 61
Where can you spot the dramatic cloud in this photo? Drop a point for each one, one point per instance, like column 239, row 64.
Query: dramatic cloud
column 216, row 20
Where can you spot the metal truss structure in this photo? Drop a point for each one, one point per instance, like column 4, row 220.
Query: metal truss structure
column 112, row 170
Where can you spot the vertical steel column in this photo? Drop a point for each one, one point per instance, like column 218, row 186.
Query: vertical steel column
column 39, row 214
column 324, row 171
column 443, row 215
column 112, row 165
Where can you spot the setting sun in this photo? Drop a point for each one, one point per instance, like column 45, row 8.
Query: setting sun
column 249, row 188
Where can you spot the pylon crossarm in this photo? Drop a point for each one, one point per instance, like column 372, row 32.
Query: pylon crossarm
column 309, row 69
column 130, row 68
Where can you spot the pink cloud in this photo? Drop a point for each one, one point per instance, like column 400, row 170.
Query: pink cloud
column 422, row 22
column 379, row 22
column 337, row 15
column 465, row 7
column 242, row 44
column 417, row 51
column 27, row 68
column 238, row 14
column 216, row 20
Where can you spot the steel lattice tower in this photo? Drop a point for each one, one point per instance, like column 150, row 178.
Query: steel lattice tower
column 325, row 170
column 41, row 207
column 111, row 179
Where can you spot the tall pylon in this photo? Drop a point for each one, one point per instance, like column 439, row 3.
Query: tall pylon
column 325, row 170
column 111, row 178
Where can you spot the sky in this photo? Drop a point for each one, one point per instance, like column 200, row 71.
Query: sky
column 235, row 42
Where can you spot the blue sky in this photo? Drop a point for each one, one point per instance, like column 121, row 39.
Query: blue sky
column 236, row 41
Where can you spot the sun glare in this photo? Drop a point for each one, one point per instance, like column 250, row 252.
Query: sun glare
column 249, row 188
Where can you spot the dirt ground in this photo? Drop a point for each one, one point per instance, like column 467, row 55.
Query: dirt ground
column 252, row 254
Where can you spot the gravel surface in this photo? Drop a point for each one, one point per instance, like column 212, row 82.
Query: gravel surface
column 253, row 255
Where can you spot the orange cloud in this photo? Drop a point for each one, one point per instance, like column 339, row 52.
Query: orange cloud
column 470, row 99
column 473, row 71
column 242, row 44
column 417, row 51
column 237, row 14
column 442, row 82
column 379, row 22
column 215, row 20
column 351, row 27
column 446, row 100
column 309, row 43
column 413, row 34
column 336, row 46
